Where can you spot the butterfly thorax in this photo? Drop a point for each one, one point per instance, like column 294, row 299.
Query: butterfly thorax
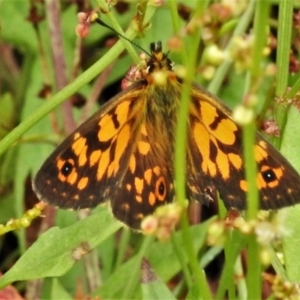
column 162, row 86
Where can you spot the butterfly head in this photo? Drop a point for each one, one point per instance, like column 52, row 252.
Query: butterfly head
column 158, row 60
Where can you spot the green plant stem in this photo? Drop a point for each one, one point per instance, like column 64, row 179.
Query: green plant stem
column 277, row 264
column 199, row 275
column 226, row 282
column 253, row 277
column 241, row 27
column 260, row 31
column 176, row 25
column 182, row 124
column 284, row 38
column 175, row 17
column 250, row 170
column 180, row 161
column 118, row 29
column 180, row 254
column 124, row 242
column 282, row 59
column 241, row 284
column 294, row 89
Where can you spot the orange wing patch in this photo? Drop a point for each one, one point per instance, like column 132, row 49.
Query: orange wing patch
column 122, row 140
column 111, row 123
column 210, row 131
column 83, row 183
column 222, row 129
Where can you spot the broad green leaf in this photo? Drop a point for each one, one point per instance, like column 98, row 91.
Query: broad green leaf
column 54, row 253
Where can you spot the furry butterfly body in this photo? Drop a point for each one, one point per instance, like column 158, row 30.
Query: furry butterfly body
column 124, row 154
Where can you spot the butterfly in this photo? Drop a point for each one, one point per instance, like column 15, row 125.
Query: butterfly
column 124, row 154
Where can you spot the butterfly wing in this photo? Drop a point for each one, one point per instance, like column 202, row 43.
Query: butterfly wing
column 148, row 181
column 83, row 170
column 147, row 184
column 215, row 148
column 112, row 156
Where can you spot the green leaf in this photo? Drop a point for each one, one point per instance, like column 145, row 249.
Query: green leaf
column 54, row 253
column 23, row 35
column 290, row 148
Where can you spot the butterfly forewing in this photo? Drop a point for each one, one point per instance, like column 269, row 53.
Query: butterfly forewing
column 85, row 169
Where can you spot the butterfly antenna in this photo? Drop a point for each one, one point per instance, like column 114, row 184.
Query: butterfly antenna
column 120, row 35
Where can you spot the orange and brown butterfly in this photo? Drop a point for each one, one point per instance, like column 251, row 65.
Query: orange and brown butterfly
column 124, row 154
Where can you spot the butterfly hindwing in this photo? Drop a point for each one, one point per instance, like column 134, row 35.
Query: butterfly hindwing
column 146, row 185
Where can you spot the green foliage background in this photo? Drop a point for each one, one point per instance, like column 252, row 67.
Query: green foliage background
column 112, row 269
